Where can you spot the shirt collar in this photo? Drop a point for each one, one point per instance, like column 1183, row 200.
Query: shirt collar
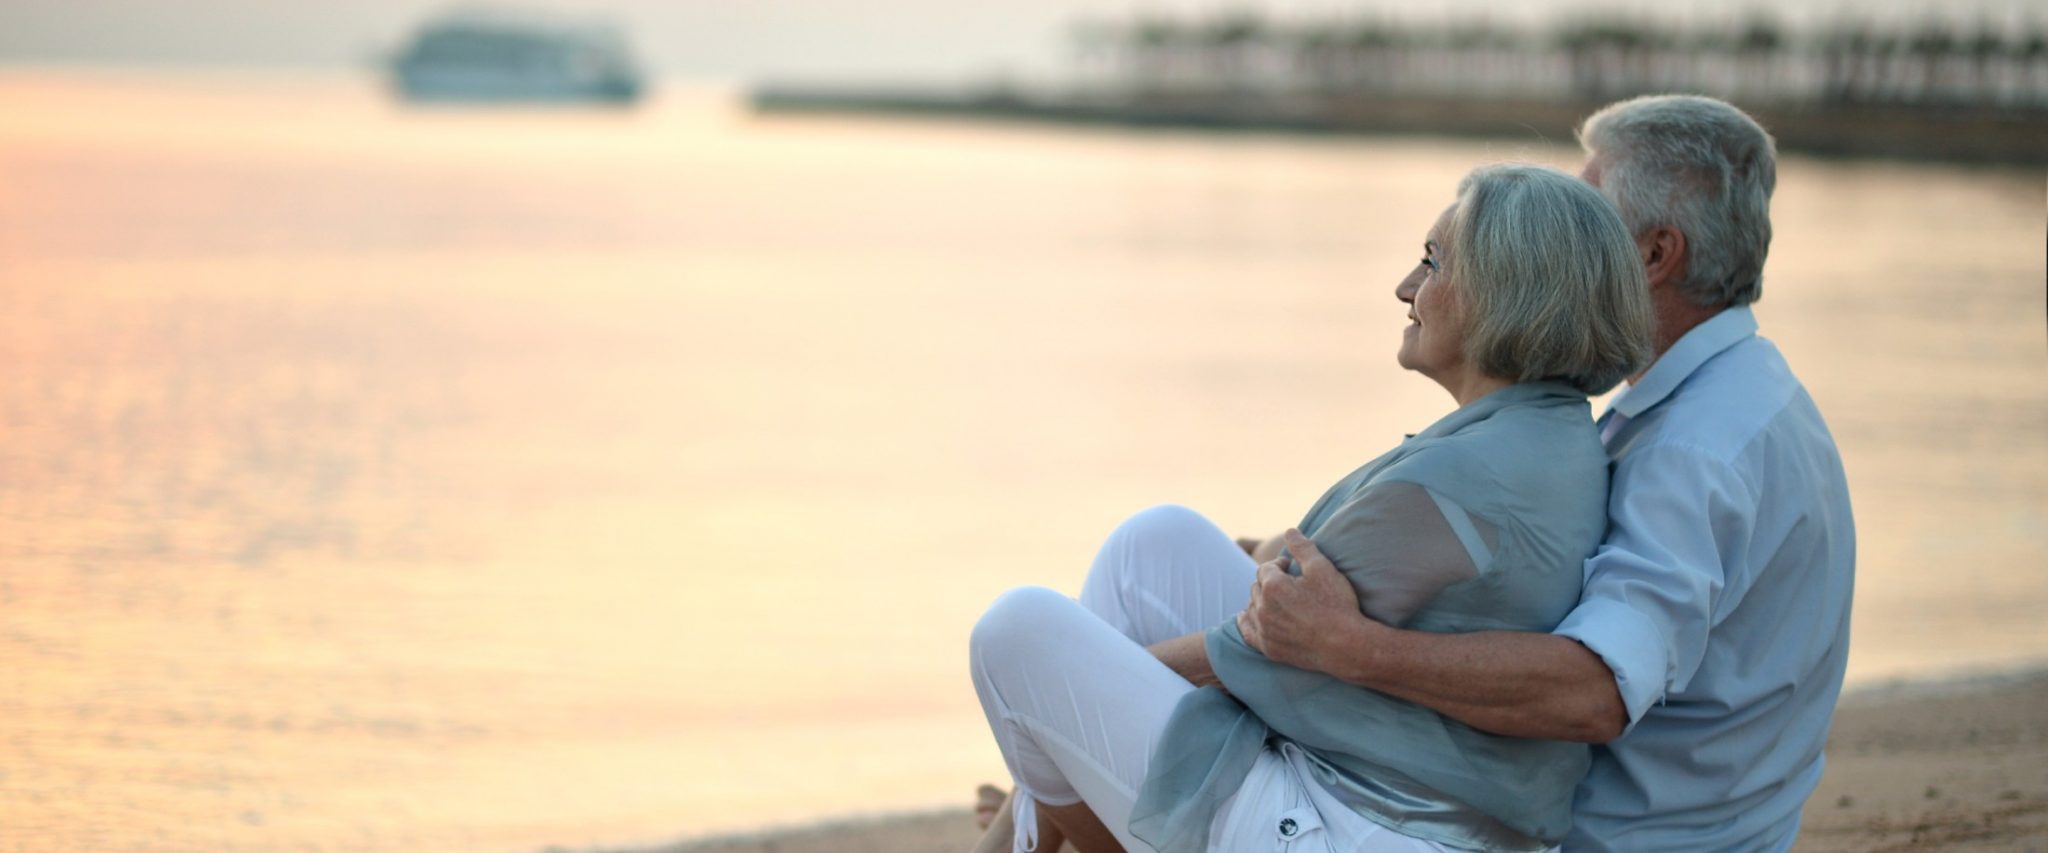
column 1518, row 394
column 1703, row 342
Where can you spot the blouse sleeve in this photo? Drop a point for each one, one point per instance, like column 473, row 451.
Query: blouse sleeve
column 1400, row 544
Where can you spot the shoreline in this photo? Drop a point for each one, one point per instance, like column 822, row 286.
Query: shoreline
column 1954, row 762
column 1933, row 133
column 1962, row 681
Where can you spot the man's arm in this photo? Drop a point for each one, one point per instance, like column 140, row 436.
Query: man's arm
column 1513, row 683
column 1505, row 682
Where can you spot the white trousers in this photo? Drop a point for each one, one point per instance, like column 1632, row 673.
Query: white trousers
column 1076, row 703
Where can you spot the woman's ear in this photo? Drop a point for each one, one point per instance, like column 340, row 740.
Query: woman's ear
column 1664, row 255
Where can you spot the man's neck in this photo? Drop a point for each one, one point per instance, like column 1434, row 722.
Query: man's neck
column 1675, row 317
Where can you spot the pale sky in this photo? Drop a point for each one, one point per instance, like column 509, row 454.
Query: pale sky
column 737, row 39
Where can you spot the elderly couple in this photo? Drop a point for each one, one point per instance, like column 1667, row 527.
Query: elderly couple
column 1477, row 641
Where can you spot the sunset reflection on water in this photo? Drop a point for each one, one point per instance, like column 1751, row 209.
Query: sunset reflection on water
column 417, row 480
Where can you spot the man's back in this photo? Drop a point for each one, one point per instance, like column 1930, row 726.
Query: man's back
column 1720, row 600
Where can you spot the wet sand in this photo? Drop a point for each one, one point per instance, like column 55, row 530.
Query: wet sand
column 1950, row 765
column 1956, row 766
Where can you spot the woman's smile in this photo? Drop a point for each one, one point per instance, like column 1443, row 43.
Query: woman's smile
column 1430, row 345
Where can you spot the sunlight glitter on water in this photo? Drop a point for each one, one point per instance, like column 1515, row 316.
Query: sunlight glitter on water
column 413, row 480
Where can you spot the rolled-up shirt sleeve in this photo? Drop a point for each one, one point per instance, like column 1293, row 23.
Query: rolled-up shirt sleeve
column 1656, row 586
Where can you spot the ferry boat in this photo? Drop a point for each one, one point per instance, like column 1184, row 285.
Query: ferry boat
column 496, row 56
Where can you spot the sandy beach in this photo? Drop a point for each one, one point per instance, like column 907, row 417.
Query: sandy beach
column 1958, row 764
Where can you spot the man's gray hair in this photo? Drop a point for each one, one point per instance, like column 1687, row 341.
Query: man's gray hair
column 1549, row 278
column 1701, row 166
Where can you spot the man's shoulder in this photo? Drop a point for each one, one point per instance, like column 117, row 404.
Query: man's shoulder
column 1742, row 417
column 1726, row 404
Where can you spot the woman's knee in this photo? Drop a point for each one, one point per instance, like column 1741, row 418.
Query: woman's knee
column 1172, row 521
column 1152, row 541
column 1018, row 620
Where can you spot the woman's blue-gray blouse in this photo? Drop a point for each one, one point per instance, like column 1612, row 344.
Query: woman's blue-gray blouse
column 1480, row 522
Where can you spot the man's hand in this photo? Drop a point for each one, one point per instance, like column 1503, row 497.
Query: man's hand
column 1302, row 621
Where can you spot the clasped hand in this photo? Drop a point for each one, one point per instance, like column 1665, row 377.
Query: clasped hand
column 1293, row 619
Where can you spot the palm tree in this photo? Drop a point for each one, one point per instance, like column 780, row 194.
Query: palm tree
column 1479, row 50
column 1318, row 54
column 1834, row 47
column 1579, row 40
column 1986, row 48
column 2030, row 53
column 1929, row 46
column 1229, row 46
column 1637, row 43
column 1866, row 72
column 1609, row 58
column 1154, row 46
column 1756, row 53
column 1373, row 47
column 1887, row 65
column 1095, row 45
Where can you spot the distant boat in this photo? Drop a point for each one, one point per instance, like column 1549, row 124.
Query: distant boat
column 516, row 57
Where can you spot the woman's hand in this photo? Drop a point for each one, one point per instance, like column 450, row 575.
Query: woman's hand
column 1301, row 621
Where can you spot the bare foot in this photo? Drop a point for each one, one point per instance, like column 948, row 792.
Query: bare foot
column 988, row 799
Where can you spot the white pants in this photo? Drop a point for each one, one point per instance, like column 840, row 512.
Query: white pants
column 1077, row 703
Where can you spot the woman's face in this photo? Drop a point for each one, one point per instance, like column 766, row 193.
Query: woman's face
column 1433, row 342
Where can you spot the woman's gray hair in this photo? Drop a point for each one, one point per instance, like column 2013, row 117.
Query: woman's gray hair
column 1549, row 279
column 1698, row 165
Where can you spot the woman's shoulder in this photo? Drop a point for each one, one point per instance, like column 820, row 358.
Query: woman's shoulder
column 1547, row 437
column 1519, row 459
column 1566, row 428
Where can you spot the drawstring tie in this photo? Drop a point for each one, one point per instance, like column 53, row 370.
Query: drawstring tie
column 1025, row 839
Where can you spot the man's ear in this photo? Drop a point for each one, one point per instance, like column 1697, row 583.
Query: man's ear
column 1664, row 255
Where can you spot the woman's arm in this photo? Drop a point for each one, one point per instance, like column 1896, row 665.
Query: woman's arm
column 1267, row 549
column 1510, row 683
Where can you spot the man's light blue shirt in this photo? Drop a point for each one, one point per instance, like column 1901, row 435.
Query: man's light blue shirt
column 1720, row 599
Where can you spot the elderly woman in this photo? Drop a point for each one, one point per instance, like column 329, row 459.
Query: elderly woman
column 1529, row 296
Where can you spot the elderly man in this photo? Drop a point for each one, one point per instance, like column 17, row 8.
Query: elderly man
column 1706, row 653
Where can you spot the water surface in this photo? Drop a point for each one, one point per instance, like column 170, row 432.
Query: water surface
column 378, row 479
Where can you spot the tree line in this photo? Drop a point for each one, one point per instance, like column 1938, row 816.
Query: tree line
column 1930, row 63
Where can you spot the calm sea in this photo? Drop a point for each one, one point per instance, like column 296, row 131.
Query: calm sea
column 388, row 479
